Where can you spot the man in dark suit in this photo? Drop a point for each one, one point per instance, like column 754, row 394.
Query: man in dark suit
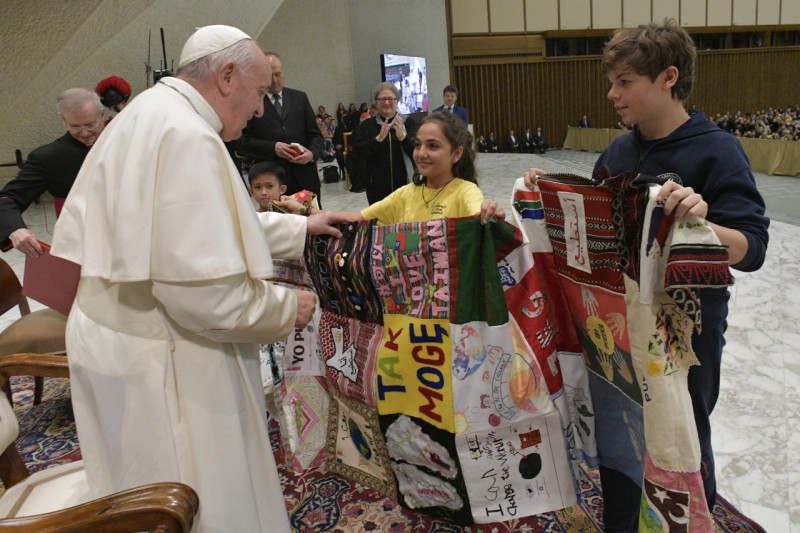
column 286, row 133
column 541, row 143
column 50, row 168
column 450, row 94
column 512, row 143
column 527, row 144
column 491, row 143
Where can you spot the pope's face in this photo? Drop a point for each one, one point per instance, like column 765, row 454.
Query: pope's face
column 247, row 100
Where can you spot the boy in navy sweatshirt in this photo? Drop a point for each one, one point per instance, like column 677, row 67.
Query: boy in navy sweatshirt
column 651, row 70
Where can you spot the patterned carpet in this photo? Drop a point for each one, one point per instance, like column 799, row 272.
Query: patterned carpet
column 318, row 501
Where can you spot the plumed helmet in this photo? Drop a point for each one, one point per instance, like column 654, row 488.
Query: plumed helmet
column 113, row 91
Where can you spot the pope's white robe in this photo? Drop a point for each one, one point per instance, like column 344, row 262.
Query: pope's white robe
column 164, row 370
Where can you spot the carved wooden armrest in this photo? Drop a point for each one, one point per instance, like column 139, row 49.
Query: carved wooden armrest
column 163, row 507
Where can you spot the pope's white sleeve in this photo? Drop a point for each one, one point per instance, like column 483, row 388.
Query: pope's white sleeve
column 286, row 234
column 231, row 309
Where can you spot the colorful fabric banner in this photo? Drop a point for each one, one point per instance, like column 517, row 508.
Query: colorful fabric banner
column 447, row 367
column 628, row 274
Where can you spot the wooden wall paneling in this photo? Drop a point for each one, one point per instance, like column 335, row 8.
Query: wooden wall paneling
column 575, row 14
column 768, row 12
column 635, row 12
column 666, row 9
column 720, row 13
column 555, row 93
column 744, row 12
column 693, row 13
column 469, row 16
column 541, row 15
column 606, row 14
column 506, row 16
column 790, row 12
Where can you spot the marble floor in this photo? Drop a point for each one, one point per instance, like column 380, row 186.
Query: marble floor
column 756, row 423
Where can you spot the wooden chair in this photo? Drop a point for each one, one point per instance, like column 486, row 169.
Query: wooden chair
column 42, row 331
column 54, row 499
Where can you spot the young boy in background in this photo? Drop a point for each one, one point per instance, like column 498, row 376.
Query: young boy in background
column 651, row 70
column 266, row 183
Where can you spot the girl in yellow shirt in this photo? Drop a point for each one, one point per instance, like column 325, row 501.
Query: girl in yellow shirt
column 445, row 184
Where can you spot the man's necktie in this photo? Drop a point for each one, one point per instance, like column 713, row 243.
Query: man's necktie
column 278, row 107
column 449, row 109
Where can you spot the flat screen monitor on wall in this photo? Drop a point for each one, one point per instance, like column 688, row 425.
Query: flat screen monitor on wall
column 409, row 75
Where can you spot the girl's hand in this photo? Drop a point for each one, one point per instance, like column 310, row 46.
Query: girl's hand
column 490, row 208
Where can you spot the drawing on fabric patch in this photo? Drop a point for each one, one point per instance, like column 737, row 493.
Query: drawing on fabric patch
column 530, row 466
column 515, row 385
column 589, row 300
column 401, row 243
column 470, row 353
column 579, row 402
column 407, row 442
column 424, row 490
column 343, row 360
column 358, row 439
column 669, row 342
column 575, row 230
column 602, row 336
column 665, row 510
column 507, row 277
column 529, row 205
column 537, row 303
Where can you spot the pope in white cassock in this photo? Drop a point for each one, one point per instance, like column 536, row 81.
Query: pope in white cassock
column 164, row 367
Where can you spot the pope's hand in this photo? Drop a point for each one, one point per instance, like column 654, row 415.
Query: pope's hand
column 321, row 223
column 306, row 304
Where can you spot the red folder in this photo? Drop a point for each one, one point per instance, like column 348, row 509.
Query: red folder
column 51, row 280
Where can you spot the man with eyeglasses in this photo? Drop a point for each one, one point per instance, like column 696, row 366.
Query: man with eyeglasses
column 50, row 168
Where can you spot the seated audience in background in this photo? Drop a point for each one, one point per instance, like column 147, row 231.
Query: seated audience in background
column 541, row 143
column 584, row 122
column 50, row 168
column 491, row 144
column 763, row 124
column 481, row 144
column 512, row 143
column 527, row 143
column 353, row 117
column 341, row 114
column 321, row 114
column 338, row 145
